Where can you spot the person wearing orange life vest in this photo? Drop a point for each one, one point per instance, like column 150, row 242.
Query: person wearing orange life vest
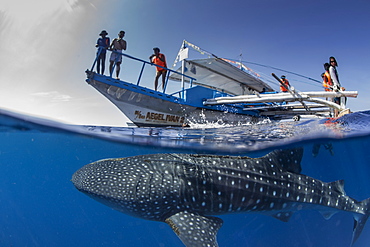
column 284, row 84
column 159, row 59
column 327, row 82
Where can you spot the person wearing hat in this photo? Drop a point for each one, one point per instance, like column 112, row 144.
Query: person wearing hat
column 284, row 84
column 102, row 44
column 117, row 45
column 159, row 59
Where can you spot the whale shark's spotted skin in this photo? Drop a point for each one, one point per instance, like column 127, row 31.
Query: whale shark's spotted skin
column 183, row 190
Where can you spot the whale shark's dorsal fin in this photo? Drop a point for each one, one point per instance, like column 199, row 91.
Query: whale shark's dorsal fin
column 338, row 186
column 287, row 159
column 195, row 230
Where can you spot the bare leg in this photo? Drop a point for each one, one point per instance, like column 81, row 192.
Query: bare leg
column 118, row 68
column 163, row 78
column 111, row 68
column 156, row 80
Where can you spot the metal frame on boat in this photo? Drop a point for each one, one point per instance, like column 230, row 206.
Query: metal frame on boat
column 212, row 90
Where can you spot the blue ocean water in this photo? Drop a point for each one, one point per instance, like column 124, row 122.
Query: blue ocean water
column 39, row 206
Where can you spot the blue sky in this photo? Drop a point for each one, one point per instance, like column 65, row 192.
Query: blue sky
column 46, row 50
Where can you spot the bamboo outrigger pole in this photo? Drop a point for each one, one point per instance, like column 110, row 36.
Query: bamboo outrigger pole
column 292, row 92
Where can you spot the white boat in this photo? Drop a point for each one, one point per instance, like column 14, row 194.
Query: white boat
column 212, row 90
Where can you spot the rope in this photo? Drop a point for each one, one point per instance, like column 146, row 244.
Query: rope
column 271, row 67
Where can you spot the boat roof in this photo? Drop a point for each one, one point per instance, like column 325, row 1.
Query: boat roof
column 218, row 74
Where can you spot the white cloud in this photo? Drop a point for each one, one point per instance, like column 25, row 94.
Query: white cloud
column 53, row 96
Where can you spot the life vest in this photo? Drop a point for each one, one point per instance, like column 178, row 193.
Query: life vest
column 327, row 83
column 286, row 83
column 159, row 62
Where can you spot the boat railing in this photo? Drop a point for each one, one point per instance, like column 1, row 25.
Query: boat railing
column 144, row 63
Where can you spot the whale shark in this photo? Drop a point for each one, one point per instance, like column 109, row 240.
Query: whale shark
column 188, row 191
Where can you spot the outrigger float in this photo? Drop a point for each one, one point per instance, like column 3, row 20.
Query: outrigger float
column 213, row 90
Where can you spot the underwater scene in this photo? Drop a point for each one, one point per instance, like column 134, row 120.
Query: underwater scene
column 306, row 184
column 41, row 205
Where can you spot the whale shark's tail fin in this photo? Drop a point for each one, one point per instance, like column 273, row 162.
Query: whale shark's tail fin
column 360, row 220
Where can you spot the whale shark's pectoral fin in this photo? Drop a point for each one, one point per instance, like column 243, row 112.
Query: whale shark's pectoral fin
column 195, row 230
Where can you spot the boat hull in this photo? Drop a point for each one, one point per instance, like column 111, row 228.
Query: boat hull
column 148, row 108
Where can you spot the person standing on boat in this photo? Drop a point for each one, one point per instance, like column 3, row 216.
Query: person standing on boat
column 284, row 84
column 326, row 78
column 159, row 59
column 102, row 44
column 336, row 84
column 117, row 45
column 334, row 74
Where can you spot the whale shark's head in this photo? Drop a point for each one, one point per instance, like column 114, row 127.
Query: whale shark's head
column 133, row 185
column 104, row 183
